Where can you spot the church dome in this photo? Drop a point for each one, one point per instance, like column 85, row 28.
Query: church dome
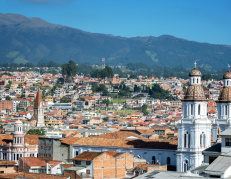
column 195, row 92
column 18, row 122
column 195, row 72
column 227, row 75
column 225, row 94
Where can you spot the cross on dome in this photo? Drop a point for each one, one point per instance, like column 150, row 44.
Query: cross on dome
column 195, row 64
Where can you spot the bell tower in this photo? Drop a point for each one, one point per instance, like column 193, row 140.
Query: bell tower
column 223, row 120
column 194, row 129
column 38, row 116
column 18, row 136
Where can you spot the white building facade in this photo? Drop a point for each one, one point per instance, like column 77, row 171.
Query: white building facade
column 194, row 129
column 223, row 120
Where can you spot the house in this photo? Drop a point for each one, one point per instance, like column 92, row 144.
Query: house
column 105, row 164
column 54, row 149
column 7, row 166
column 35, row 165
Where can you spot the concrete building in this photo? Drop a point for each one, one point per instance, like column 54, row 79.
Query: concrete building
column 54, row 149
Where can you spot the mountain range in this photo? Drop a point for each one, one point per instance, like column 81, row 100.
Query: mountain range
column 24, row 39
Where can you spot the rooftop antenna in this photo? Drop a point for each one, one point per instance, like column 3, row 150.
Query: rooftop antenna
column 228, row 67
column 195, row 64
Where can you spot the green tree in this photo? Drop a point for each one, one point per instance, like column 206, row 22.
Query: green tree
column 36, row 132
column 69, row 70
column 105, row 119
column 144, row 109
column 105, row 92
column 64, row 99
column 137, row 89
column 106, row 101
column 8, row 98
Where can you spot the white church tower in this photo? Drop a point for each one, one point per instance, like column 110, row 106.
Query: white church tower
column 223, row 120
column 194, row 129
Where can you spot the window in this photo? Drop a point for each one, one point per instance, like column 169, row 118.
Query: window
column 199, row 109
column 168, row 161
column 227, row 141
column 153, row 160
column 88, row 162
column 186, row 166
column 226, row 110
column 188, row 140
column 185, row 140
column 193, row 80
column 197, row 81
column 191, row 109
column 31, row 155
column 76, row 153
column 88, row 172
column 78, row 162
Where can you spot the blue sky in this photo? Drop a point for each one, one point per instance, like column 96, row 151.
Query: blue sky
column 197, row 20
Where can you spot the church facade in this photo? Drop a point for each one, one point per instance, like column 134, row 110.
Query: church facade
column 194, row 129
column 223, row 120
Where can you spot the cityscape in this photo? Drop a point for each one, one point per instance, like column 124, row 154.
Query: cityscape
column 76, row 104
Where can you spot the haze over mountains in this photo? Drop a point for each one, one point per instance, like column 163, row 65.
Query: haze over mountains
column 25, row 39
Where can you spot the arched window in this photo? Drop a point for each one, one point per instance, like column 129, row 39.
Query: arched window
column 204, row 139
column 186, row 166
column 199, row 109
column 185, row 136
column 197, row 81
column 226, row 110
column 76, row 153
column 200, row 140
column 17, row 139
column 227, row 83
column 168, row 161
column 193, row 80
column 153, row 160
column 188, row 140
column 191, row 109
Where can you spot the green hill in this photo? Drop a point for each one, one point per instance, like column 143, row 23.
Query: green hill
column 25, row 39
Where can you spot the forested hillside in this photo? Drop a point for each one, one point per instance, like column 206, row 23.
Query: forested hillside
column 25, row 39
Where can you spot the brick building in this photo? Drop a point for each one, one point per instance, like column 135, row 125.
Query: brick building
column 106, row 164
column 6, row 105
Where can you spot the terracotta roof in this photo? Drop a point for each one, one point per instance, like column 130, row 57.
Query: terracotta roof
column 67, row 165
column 4, row 139
column 34, row 162
column 112, row 153
column 7, row 162
column 70, row 140
column 31, row 139
column 87, row 156
column 31, row 175
column 212, row 111
column 120, row 134
column 38, row 98
column 130, row 143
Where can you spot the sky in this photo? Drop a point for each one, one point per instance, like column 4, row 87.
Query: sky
column 197, row 20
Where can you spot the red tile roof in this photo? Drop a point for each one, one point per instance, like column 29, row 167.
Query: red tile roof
column 87, row 156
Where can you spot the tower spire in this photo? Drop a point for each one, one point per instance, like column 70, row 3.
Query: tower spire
column 228, row 67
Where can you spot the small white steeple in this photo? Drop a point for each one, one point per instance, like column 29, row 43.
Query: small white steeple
column 18, row 137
